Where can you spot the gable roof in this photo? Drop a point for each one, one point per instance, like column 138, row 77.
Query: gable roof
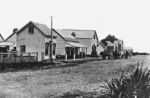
column 65, row 35
column 81, row 33
column 45, row 31
column 1, row 38
column 10, row 36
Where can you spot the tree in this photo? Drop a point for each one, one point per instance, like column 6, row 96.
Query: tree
column 110, row 38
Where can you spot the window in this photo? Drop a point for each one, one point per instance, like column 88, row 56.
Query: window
column 22, row 48
column 54, row 48
column 31, row 29
column 46, row 48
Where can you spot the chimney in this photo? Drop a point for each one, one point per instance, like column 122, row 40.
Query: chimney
column 73, row 34
column 15, row 30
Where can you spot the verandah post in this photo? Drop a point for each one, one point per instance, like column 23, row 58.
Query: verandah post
column 65, row 54
column 86, row 52
column 74, row 56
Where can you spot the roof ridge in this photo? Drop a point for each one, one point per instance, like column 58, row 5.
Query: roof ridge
column 79, row 29
column 1, row 36
column 39, row 23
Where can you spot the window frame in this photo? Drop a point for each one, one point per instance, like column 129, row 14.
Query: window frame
column 22, row 48
column 54, row 48
column 46, row 48
column 31, row 29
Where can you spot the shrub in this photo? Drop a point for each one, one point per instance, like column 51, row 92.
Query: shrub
column 129, row 84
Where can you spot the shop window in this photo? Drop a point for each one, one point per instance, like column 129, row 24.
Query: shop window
column 46, row 48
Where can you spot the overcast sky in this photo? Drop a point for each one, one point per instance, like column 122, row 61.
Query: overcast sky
column 128, row 20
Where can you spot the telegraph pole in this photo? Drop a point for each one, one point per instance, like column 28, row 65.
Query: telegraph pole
column 51, row 52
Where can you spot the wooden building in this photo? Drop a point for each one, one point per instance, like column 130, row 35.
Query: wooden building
column 35, row 37
column 68, row 45
column 88, row 38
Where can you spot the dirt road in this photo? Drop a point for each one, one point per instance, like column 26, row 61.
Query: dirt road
column 56, row 81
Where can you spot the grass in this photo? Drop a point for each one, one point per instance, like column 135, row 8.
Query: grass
column 58, row 80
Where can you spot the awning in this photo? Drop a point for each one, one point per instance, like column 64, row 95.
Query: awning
column 6, row 44
column 74, row 44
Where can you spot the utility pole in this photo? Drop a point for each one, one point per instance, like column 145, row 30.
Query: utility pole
column 51, row 52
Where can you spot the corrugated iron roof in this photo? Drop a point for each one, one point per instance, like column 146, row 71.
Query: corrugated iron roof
column 46, row 30
column 41, row 27
column 6, row 43
column 80, row 33
column 67, row 36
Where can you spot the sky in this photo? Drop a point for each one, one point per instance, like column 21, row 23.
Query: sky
column 128, row 20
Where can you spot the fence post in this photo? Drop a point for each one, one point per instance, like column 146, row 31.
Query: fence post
column 135, row 94
column 29, row 58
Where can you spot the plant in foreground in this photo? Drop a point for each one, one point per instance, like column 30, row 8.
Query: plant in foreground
column 129, row 84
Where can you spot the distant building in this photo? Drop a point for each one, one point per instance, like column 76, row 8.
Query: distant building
column 117, row 45
column 113, row 44
column 128, row 49
column 12, row 40
column 101, row 47
column 6, row 46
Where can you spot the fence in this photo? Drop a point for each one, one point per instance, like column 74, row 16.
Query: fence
column 16, row 57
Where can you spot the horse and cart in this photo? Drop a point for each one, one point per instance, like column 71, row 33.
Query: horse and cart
column 125, row 53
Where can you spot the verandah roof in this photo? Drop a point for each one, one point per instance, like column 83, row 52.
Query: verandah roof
column 6, row 43
column 73, row 44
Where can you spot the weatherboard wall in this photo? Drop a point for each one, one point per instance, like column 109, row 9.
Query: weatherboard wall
column 86, row 42
column 60, row 44
column 33, row 42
